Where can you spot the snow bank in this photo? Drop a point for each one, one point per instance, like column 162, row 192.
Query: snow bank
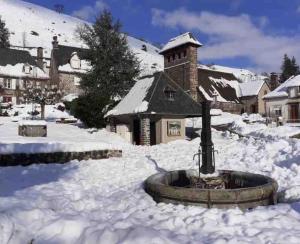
column 104, row 201
column 50, row 147
column 33, row 122
column 51, row 112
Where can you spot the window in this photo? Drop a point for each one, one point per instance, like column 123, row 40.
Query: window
column 26, row 69
column 179, row 55
column 76, row 81
column 293, row 92
column 277, row 111
column 7, row 99
column 75, row 61
column 7, row 83
column 170, row 93
column 174, row 56
column 169, row 59
column 184, row 53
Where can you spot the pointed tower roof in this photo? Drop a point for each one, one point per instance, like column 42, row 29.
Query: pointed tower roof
column 186, row 38
column 148, row 96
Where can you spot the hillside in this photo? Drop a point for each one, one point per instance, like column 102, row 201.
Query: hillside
column 34, row 26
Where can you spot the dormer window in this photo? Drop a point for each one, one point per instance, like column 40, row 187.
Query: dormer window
column 75, row 61
column 169, row 93
column 26, row 69
column 293, row 92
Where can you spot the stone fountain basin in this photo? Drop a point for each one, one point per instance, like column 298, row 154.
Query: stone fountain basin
column 243, row 190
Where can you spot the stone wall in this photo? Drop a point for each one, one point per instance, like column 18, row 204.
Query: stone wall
column 183, row 69
column 54, row 157
column 145, row 131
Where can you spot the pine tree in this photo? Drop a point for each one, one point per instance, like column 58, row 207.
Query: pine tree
column 289, row 68
column 113, row 68
column 4, row 35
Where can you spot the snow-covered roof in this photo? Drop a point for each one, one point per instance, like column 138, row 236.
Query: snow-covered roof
column 181, row 40
column 134, row 102
column 293, row 81
column 251, row 88
column 148, row 96
column 242, row 74
column 13, row 63
column 224, row 87
column 282, row 90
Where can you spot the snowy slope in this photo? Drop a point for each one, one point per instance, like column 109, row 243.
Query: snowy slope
column 34, row 26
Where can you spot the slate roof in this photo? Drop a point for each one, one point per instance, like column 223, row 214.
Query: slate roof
column 224, row 85
column 181, row 40
column 148, row 97
column 63, row 54
column 12, row 57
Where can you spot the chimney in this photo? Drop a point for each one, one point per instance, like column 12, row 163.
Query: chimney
column 274, row 81
column 40, row 57
column 55, row 42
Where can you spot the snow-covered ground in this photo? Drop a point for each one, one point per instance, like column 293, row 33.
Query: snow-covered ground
column 61, row 137
column 103, row 201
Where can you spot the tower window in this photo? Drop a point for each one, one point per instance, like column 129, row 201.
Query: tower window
column 169, row 93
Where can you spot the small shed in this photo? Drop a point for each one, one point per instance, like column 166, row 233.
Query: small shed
column 153, row 111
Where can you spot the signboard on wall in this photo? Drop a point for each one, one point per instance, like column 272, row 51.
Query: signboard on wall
column 174, row 128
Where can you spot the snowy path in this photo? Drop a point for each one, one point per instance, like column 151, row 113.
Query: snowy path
column 104, row 202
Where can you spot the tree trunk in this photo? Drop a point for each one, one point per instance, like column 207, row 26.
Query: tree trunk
column 42, row 111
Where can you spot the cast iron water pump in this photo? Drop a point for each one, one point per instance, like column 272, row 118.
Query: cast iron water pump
column 206, row 149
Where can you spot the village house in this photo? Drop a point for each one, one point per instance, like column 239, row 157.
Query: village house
column 18, row 68
column 66, row 65
column 153, row 112
column 284, row 101
column 251, row 95
column 201, row 82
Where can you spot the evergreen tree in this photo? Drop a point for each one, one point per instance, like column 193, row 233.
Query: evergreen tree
column 4, row 35
column 113, row 69
column 289, row 68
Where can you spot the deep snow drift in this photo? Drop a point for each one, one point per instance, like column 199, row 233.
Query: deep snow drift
column 103, row 201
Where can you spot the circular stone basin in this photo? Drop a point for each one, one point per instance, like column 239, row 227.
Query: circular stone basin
column 243, row 190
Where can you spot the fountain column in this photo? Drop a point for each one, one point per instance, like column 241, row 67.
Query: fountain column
column 208, row 166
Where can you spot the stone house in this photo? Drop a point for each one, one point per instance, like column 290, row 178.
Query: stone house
column 201, row 82
column 18, row 68
column 251, row 95
column 66, row 65
column 153, row 111
column 284, row 101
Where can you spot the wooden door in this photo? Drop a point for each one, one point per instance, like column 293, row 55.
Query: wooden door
column 294, row 116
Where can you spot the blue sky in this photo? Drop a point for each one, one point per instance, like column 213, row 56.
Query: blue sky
column 242, row 33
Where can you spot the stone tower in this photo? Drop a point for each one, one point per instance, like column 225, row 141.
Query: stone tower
column 180, row 62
